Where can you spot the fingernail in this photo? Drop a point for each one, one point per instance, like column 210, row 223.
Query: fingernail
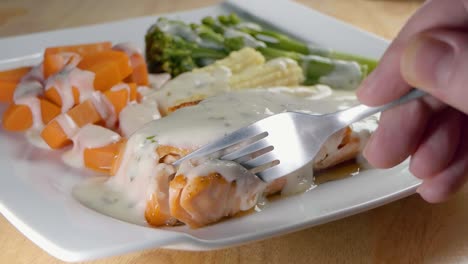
column 426, row 62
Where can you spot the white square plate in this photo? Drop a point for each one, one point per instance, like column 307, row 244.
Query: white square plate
column 35, row 187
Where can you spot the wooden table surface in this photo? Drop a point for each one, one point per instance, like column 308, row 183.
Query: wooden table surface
column 406, row 231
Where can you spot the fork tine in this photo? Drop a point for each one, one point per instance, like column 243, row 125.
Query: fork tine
column 269, row 174
column 228, row 143
column 246, row 150
column 260, row 160
column 238, row 146
column 253, row 155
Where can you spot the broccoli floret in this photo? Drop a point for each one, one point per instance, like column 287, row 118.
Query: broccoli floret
column 175, row 47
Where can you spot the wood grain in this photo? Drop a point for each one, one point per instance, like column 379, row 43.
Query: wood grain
column 406, row 231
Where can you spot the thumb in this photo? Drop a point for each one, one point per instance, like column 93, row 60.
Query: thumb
column 437, row 61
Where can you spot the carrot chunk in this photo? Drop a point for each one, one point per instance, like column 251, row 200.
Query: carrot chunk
column 106, row 75
column 110, row 67
column 133, row 91
column 53, row 95
column 48, row 111
column 17, row 118
column 118, row 160
column 140, row 71
column 82, row 114
column 81, row 49
column 7, row 90
column 14, row 74
column 118, row 99
column 54, row 135
column 53, row 63
column 101, row 159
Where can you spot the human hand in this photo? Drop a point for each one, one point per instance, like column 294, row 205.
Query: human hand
column 430, row 53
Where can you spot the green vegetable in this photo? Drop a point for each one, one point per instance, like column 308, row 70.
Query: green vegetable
column 175, row 47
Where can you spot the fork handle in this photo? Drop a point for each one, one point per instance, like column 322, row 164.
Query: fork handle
column 356, row 113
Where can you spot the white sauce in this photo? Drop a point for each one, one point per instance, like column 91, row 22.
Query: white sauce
column 346, row 75
column 318, row 50
column 71, row 60
column 34, row 138
column 134, row 116
column 100, row 196
column 216, row 116
column 192, row 86
column 136, row 176
column 35, row 74
column 89, row 136
column 28, row 88
column 65, row 80
column 69, row 127
column 266, row 38
column 127, row 47
column 186, row 32
column 158, row 80
column 248, row 39
column 120, row 86
column 143, row 91
column 192, row 127
column 181, row 30
column 249, row 25
column 104, row 107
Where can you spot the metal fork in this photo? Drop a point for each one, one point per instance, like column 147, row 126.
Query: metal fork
column 280, row 144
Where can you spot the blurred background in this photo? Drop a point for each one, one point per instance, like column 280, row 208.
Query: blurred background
column 27, row 16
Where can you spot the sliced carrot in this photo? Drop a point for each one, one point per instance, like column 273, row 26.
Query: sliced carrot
column 48, row 111
column 133, row 91
column 14, row 74
column 82, row 114
column 7, row 90
column 119, row 57
column 118, row 160
column 53, row 63
column 17, row 118
column 110, row 67
column 118, row 99
column 53, row 95
column 106, row 75
column 81, row 49
column 101, row 159
column 54, row 135
column 140, row 71
column 20, row 118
